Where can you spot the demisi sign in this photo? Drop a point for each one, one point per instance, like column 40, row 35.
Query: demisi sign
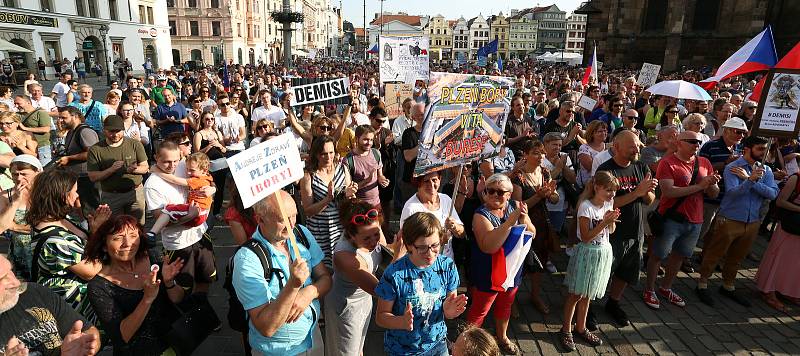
column 320, row 91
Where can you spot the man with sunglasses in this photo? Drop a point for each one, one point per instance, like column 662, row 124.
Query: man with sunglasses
column 232, row 126
column 267, row 111
column 748, row 183
column 684, row 178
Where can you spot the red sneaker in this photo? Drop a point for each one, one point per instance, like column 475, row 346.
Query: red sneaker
column 651, row 299
column 672, row 297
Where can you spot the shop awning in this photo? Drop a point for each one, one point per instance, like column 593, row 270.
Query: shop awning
column 6, row 46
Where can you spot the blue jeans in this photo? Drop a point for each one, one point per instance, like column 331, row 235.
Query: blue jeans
column 557, row 220
column 45, row 154
column 678, row 237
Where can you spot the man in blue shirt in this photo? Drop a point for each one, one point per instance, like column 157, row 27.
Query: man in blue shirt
column 747, row 183
column 283, row 312
column 171, row 115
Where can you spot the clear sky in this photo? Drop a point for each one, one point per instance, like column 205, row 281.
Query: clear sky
column 450, row 9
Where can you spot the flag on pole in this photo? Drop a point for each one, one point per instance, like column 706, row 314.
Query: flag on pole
column 790, row 61
column 500, row 64
column 756, row 55
column 591, row 69
column 488, row 49
column 226, row 81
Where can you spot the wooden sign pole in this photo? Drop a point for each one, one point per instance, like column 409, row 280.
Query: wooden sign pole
column 455, row 190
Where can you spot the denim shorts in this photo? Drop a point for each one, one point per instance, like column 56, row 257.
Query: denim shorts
column 678, row 237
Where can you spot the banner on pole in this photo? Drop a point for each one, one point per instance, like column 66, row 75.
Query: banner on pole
column 465, row 121
column 265, row 168
column 396, row 94
column 778, row 111
column 648, row 75
column 320, row 91
column 404, row 59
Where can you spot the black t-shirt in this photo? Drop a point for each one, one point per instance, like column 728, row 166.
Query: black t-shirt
column 629, row 177
column 410, row 140
column 40, row 320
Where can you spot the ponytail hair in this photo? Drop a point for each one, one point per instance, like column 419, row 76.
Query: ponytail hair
column 601, row 178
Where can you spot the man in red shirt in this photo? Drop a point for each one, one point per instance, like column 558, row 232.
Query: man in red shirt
column 681, row 208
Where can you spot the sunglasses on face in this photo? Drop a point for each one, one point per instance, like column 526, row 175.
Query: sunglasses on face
column 185, row 143
column 263, row 127
column 632, row 117
column 740, row 132
column 692, row 141
column 225, row 103
column 325, row 128
column 368, row 217
column 497, row 192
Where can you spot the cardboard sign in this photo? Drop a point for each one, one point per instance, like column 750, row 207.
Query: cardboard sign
column 396, row 94
column 465, row 122
column 265, row 168
column 648, row 75
column 587, row 102
column 404, row 59
column 779, row 109
column 320, row 91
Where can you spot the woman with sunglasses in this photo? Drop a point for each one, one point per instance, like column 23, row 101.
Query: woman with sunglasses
column 532, row 186
column 320, row 188
column 356, row 257
column 237, row 104
column 195, row 110
column 209, row 140
column 492, row 225
column 418, row 292
column 21, row 142
column 135, row 127
column 670, row 117
column 429, row 200
column 263, row 128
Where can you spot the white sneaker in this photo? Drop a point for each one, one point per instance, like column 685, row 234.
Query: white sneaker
column 550, row 267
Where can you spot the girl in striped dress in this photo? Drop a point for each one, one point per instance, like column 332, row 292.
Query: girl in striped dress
column 590, row 266
column 320, row 187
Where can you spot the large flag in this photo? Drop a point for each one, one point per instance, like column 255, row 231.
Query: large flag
column 591, row 69
column 488, row 49
column 757, row 55
column 790, row 61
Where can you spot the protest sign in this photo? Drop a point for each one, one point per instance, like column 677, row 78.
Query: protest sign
column 396, row 94
column 648, row 75
column 481, row 61
column 265, row 168
column 465, row 121
column 320, row 91
column 404, row 59
column 778, row 111
column 587, row 102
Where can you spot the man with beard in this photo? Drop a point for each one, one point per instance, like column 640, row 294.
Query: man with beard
column 37, row 321
column 79, row 139
column 747, row 183
column 518, row 126
column 365, row 166
column 636, row 190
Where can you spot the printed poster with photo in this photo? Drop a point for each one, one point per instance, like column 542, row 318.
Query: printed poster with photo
column 778, row 111
column 396, row 94
column 404, row 59
column 465, row 121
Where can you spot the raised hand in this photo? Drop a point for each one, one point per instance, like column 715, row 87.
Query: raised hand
column 454, row 305
column 331, row 191
column 170, row 269
column 150, row 287
column 611, row 216
column 647, row 185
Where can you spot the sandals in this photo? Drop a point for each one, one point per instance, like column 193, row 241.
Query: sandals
column 772, row 300
column 507, row 347
column 567, row 342
column 590, row 337
column 540, row 305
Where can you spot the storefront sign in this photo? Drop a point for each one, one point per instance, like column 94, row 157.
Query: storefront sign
column 88, row 44
column 22, row 19
column 151, row 32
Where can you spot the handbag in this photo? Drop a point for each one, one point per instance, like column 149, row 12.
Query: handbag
column 196, row 321
column 656, row 220
column 790, row 220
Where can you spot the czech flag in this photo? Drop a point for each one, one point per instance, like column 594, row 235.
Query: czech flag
column 507, row 262
column 790, row 61
column 591, row 69
column 757, row 55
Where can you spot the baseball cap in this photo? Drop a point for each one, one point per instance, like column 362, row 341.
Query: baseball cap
column 33, row 161
column 114, row 123
column 736, row 123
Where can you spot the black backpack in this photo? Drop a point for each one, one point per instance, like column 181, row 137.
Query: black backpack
column 237, row 317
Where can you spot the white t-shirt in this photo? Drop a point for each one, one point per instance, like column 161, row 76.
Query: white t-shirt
column 584, row 174
column 274, row 114
column 61, row 90
column 601, row 158
column 158, row 193
column 595, row 215
column 229, row 126
column 359, row 118
column 401, row 123
column 560, row 206
column 45, row 103
column 413, row 205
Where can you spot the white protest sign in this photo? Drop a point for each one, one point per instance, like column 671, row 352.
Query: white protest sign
column 778, row 112
column 648, row 75
column 587, row 103
column 321, row 91
column 404, row 59
column 265, row 168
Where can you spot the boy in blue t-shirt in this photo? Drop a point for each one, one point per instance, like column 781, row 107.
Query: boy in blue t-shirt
column 418, row 291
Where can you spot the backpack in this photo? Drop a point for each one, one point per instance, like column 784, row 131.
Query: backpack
column 237, row 317
column 351, row 163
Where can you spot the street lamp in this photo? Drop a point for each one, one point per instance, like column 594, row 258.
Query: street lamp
column 107, row 59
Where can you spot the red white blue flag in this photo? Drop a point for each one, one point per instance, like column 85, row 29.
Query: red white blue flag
column 757, row 55
column 591, row 69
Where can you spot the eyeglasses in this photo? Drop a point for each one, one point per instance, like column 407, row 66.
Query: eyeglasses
column 263, row 127
column 381, row 121
column 224, row 103
column 325, row 128
column 185, row 143
column 424, row 249
column 692, row 141
column 361, row 219
column 630, row 117
column 497, row 192
column 7, row 123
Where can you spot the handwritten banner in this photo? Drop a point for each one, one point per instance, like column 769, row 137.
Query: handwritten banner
column 648, row 75
column 404, row 59
column 265, row 168
column 465, row 122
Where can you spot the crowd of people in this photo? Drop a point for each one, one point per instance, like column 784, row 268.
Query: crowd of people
column 631, row 185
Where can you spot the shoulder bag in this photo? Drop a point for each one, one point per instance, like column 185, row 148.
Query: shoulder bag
column 656, row 220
